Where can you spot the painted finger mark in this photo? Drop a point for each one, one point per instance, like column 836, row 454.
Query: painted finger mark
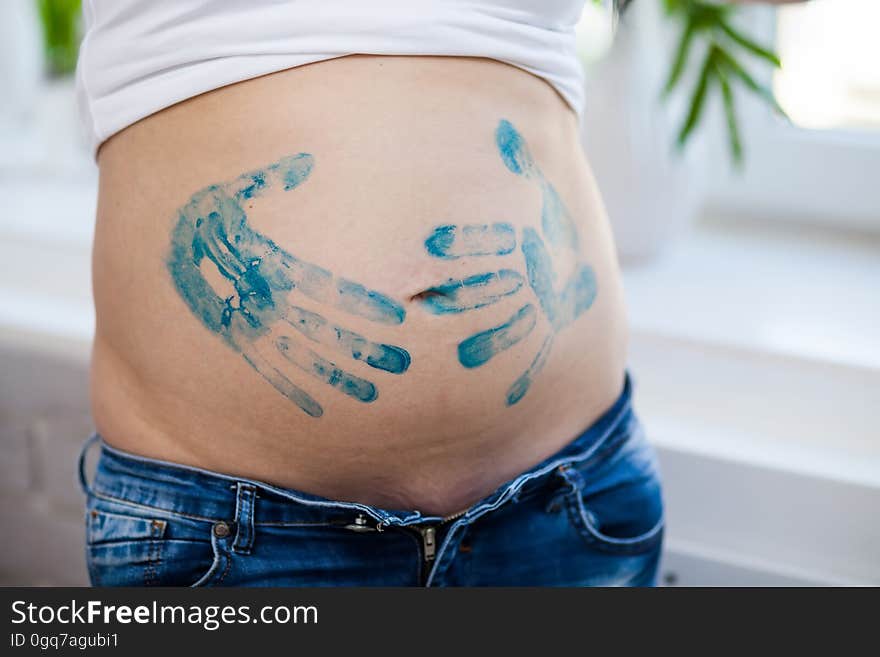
column 556, row 222
column 539, row 270
column 325, row 371
column 513, row 150
column 458, row 241
column 290, row 171
column 577, row 296
column 353, row 298
column 356, row 299
column 390, row 358
column 521, row 386
column 456, row 296
column 482, row 347
column 281, row 383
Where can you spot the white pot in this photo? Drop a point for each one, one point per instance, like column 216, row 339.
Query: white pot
column 21, row 58
column 650, row 190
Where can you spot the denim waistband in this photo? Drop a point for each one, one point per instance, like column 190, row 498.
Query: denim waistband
column 201, row 494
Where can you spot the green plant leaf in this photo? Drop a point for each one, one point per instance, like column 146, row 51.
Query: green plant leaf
column 748, row 44
column 729, row 63
column 681, row 55
column 672, row 6
column 698, row 99
column 60, row 21
column 733, row 135
column 709, row 23
column 704, row 16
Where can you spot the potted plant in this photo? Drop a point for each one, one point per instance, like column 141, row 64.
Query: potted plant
column 643, row 109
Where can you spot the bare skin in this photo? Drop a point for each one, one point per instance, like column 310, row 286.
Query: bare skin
column 400, row 146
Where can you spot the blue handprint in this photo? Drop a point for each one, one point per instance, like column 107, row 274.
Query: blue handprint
column 256, row 318
column 560, row 306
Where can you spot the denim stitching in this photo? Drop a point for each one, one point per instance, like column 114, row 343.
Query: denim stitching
column 294, row 524
column 208, row 577
column 121, row 516
column 245, row 510
column 151, row 577
column 225, row 571
column 147, row 507
column 586, row 528
column 179, row 514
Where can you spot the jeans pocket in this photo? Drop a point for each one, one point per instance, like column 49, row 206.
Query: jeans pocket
column 220, row 564
column 617, row 505
column 138, row 546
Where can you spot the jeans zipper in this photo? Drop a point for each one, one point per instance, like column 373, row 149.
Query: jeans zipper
column 428, row 534
column 429, row 543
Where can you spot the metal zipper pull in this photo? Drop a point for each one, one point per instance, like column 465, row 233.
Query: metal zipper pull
column 429, row 547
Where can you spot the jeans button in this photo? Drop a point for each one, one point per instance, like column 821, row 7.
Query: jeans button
column 360, row 525
column 221, row 530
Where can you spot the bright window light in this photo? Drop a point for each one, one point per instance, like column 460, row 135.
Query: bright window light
column 830, row 52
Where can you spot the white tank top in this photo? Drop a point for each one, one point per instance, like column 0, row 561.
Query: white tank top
column 140, row 56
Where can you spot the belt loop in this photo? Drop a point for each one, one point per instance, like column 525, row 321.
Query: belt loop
column 83, row 479
column 244, row 518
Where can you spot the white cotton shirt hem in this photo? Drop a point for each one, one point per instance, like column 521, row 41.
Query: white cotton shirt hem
column 139, row 57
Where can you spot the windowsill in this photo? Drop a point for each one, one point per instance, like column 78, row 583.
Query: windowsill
column 808, row 293
column 48, row 140
column 758, row 343
column 757, row 367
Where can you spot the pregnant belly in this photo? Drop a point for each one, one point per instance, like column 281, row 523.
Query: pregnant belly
column 386, row 280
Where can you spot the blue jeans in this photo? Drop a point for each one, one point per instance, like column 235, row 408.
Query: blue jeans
column 592, row 514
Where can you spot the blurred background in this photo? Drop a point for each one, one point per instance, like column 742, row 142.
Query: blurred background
column 752, row 283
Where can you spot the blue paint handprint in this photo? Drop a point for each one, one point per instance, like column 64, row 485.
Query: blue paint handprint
column 256, row 318
column 560, row 305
